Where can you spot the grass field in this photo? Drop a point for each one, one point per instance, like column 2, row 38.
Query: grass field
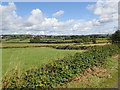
column 26, row 58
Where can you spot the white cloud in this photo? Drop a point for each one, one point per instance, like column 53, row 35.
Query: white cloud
column 41, row 33
column 9, row 18
column 38, row 23
column 12, row 23
column 58, row 13
column 107, row 12
column 36, row 17
column 106, row 9
column 82, row 26
column 49, row 24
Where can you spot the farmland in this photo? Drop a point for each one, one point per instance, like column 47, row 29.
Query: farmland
column 59, row 45
column 53, row 62
column 30, row 57
column 62, row 70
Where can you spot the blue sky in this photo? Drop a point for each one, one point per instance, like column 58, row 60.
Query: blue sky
column 59, row 18
column 73, row 10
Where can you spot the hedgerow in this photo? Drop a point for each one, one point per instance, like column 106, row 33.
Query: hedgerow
column 72, row 47
column 61, row 71
column 65, row 47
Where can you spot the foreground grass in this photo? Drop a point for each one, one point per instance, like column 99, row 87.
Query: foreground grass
column 98, row 77
column 26, row 58
column 64, row 70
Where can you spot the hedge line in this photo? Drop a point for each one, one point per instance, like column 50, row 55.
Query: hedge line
column 61, row 71
column 65, row 47
column 84, row 40
column 72, row 47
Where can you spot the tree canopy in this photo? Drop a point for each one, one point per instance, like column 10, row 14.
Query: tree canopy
column 116, row 37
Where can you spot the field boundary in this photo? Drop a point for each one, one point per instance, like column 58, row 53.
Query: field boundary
column 97, row 74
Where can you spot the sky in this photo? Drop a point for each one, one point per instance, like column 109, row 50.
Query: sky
column 59, row 18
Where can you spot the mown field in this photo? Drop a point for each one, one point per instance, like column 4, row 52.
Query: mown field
column 26, row 58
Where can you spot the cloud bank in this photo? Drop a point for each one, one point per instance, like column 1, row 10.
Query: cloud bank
column 38, row 23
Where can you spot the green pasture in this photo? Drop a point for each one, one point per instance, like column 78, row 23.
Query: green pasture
column 26, row 58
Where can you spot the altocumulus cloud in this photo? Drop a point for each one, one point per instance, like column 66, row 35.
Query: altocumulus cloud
column 38, row 23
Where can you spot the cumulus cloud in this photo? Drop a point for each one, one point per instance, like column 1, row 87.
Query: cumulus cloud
column 9, row 16
column 38, row 23
column 107, row 10
column 82, row 26
column 35, row 17
column 104, row 7
column 49, row 24
column 60, row 12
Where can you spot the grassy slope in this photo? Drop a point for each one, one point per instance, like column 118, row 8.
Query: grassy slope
column 26, row 58
column 107, row 78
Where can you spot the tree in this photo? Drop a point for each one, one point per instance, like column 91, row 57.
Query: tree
column 116, row 37
column 94, row 39
column 35, row 39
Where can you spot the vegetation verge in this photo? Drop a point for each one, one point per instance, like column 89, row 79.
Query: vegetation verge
column 105, row 76
column 61, row 71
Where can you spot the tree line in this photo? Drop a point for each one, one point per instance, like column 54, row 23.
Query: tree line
column 115, row 38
